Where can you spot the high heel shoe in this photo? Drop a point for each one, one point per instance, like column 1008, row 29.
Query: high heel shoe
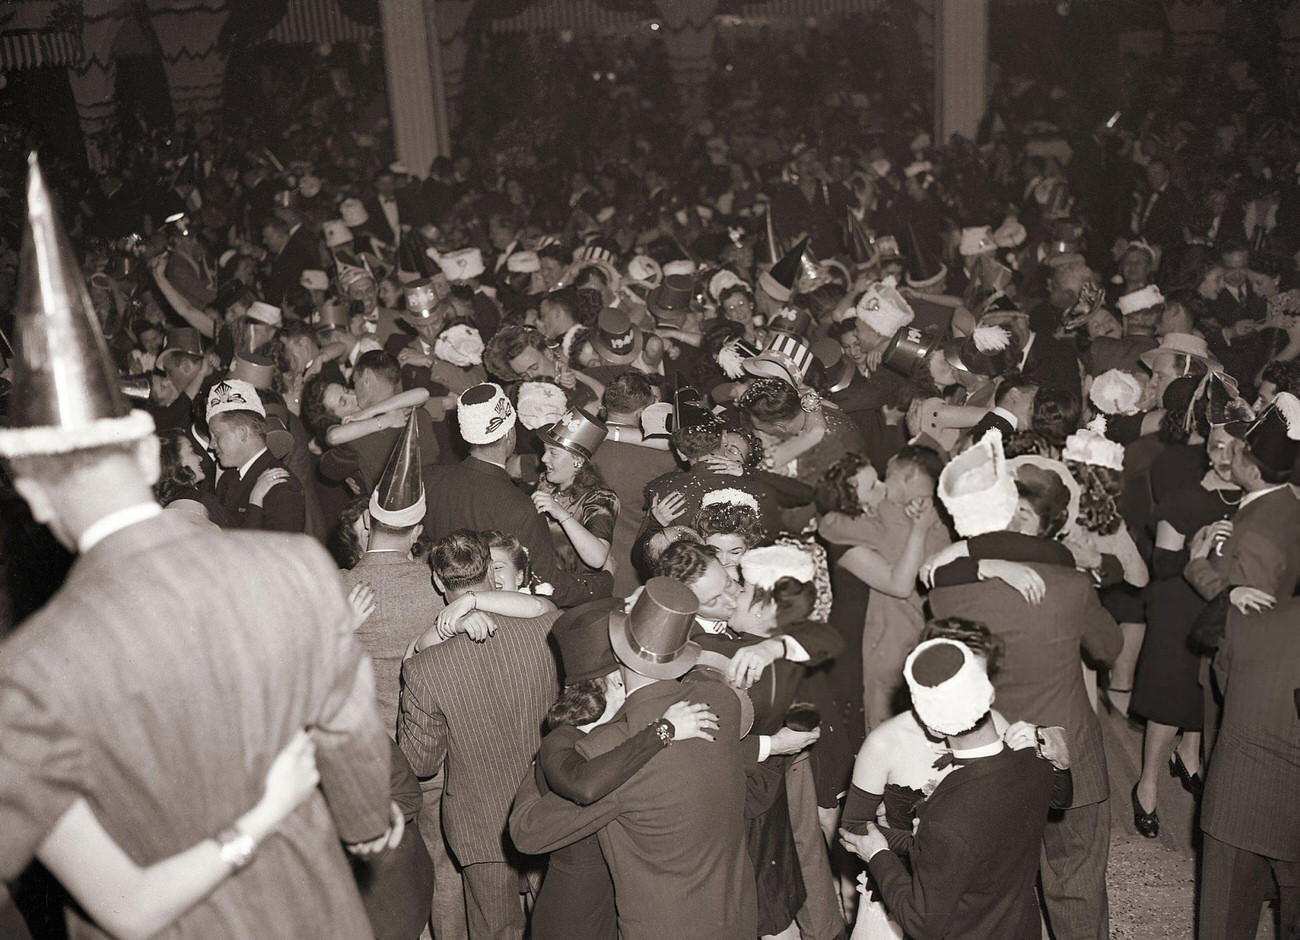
column 1192, row 783
column 1147, row 824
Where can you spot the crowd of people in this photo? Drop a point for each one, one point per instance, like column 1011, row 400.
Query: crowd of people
column 732, row 532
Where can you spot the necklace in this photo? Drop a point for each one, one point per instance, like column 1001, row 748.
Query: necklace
column 1234, row 503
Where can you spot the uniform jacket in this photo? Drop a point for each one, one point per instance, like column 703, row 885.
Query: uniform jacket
column 1040, row 677
column 975, row 856
column 481, row 706
column 673, row 835
column 284, row 509
column 160, row 683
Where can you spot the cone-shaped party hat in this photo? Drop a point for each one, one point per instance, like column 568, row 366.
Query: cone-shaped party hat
column 398, row 499
column 65, row 395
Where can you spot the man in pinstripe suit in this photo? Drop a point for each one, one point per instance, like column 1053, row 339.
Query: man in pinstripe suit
column 480, row 706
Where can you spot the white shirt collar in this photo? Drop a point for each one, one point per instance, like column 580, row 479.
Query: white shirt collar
column 115, row 521
column 971, row 753
column 1251, row 497
column 1008, row 417
column 1024, row 353
column 248, row 463
column 712, row 626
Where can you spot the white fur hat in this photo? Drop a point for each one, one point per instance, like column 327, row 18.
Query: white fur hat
column 314, row 280
column 681, row 266
column 951, row 691
column 883, row 308
column 976, row 241
column 523, row 262
column 645, row 270
column 1089, row 445
column 234, row 395
column 263, row 312
column 461, row 265
column 541, row 404
column 978, row 490
column 763, row 567
column 459, row 344
column 1116, row 392
column 484, row 413
column 336, row 233
column 353, row 213
column 1142, row 299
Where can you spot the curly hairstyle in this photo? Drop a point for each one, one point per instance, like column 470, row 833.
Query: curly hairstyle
column 717, row 334
column 1046, row 493
column 1056, row 415
column 795, row 599
column 770, row 401
column 978, row 638
column 836, row 491
column 694, row 442
column 174, row 476
column 585, row 479
column 344, row 543
column 1283, row 373
column 506, row 344
column 518, row 554
column 754, row 459
column 1030, row 442
column 628, row 392
column 1099, row 500
column 314, row 414
column 579, row 704
column 1177, row 399
column 730, row 519
column 685, row 561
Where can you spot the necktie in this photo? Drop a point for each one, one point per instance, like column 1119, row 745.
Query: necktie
column 226, row 486
column 946, row 759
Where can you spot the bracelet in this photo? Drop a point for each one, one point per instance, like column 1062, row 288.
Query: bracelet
column 473, row 600
column 236, row 848
column 665, row 730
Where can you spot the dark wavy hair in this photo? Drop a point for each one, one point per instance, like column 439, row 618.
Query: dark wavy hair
column 579, row 704
column 518, row 553
column 344, row 543
column 698, row 440
column 730, row 519
column 1177, row 399
column 1056, row 415
column 627, row 392
column 836, row 491
column 795, row 599
column 769, row 401
column 508, row 343
column 314, row 414
column 173, row 476
column 461, row 559
column 1046, row 493
column 978, row 638
column 1101, row 488
column 685, row 561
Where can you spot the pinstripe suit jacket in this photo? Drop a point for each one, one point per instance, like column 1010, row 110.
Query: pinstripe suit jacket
column 480, row 705
column 160, row 683
column 1039, row 678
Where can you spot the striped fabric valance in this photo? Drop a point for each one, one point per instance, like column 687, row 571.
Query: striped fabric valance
column 801, row 9
column 33, row 48
column 317, row 21
column 580, row 16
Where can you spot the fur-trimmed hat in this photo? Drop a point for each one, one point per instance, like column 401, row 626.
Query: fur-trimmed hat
column 1142, row 299
column 976, row 241
column 484, row 414
column 233, row 395
column 353, row 213
column 540, row 404
column 951, row 691
column 462, row 265
column 883, row 308
column 1090, row 446
column 764, row 566
column 977, row 488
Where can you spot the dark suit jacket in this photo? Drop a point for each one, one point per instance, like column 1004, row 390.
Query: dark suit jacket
column 477, row 495
column 301, row 252
column 481, row 706
column 1164, row 226
column 673, row 835
column 975, row 856
column 1040, row 677
column 161, row 682
column 1053, row 363
column 283, row 510
column 364, row 459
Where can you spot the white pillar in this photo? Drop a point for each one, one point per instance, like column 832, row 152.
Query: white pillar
column 411, row 104
column 961, row 57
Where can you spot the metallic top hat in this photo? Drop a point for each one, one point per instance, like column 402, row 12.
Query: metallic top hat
column 184, row 340
column 65, row 394
column 910, row 347
column 398, row 498
column 671, row 300
column 839, row 367
column 582, row 635
column 423, row 296
column 331, row 315
column 690, row 410
column 617, row 339
column 651, row 638
column 577, row 432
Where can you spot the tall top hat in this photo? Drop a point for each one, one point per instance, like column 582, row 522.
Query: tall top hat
column 924, row 270
column 651, row 638
column 582, row 635
column 779, row 281
column 423, row 296
column 787, row 357
column 911, row 346
column 690, row 411
column 670, row 302
column 617, row 339
column 577, row 432
column 412, row 256
column 398, row 498
column 1273, row 439
column 65, row 393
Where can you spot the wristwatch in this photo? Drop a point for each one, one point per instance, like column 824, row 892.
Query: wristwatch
column 237, row 848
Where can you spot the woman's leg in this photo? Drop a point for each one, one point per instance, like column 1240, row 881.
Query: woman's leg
column 1120, row 689
column 1189, row 749
column 1155, row 757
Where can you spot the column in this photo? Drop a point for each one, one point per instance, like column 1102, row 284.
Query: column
column 93, row 78
column 688, row 38
column 449, row 52
column 411, row 104
column 961, row 58
column 187, row 32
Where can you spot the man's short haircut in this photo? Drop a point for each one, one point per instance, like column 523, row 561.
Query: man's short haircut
column 1016, row 384
column 251, row 421
column 685, row 561
column 696, row 441
column 920, row 458
column 1231, row 246
column 378, row 363
column 978, row 638
column 627, row 393
column 460, row 560
column 277, row 223
column 655, row 544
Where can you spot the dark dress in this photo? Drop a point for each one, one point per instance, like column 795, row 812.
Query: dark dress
column 1165, row 686
column 577, row 897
